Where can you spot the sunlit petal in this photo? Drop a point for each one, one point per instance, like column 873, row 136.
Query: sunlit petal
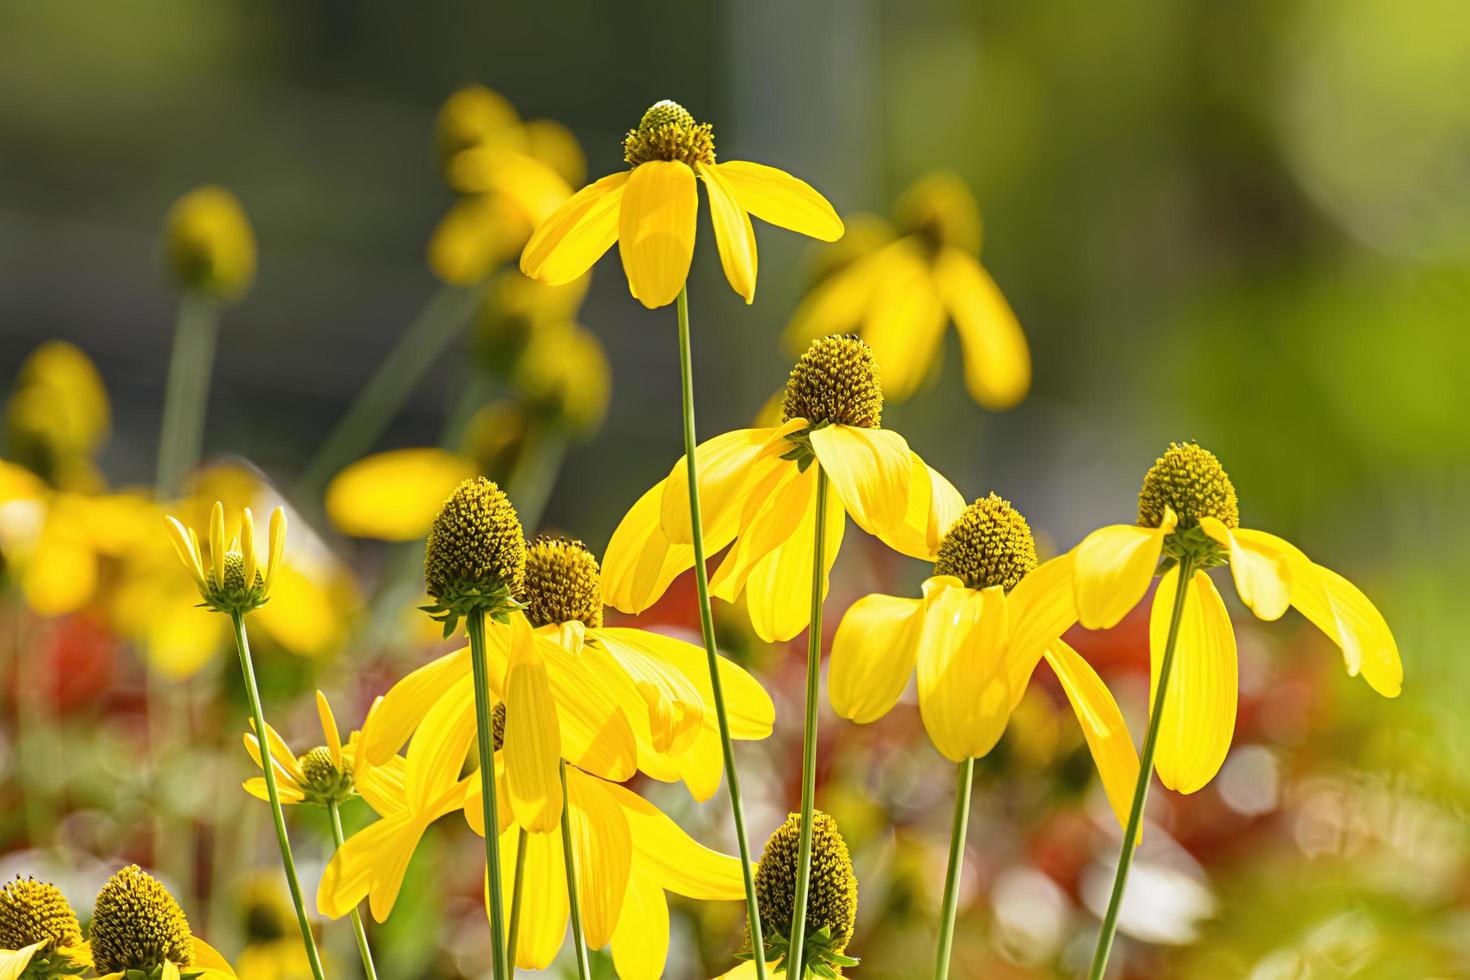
column 404, row 706
column 1199, row 708
column 778, row 603
column 1114, row 566
column 777, row 197
column 394, row 496
column 873, row 655
column 656, row 230
column 870, row 470
column 733, row 234
column 964, row 693
column 532, row 736
column 1102, row 725
column 1262, row 575
column 640, row 943
column 933, row 505
column 567, row 244
column 1041, row 609
column 603, row 848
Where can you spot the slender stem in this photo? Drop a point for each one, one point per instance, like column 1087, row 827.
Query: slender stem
column 369, row 970
column 579, row 941
column 186, row 398
column 809, row 734
column 1145, row 772
column 956, row 865
column 515, row 898
column 533, row 477
column 707, row 628
column 268, row 770
column 430, row 334
column 475, row 626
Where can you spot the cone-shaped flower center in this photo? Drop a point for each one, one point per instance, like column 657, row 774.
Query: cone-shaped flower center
column 668, row 132
column 324, row 780
column 990, row 544
column 34, row 911
column 137, row 925
column 832, row 895
column 1191, row 480
column 836, row 380
column 476, row 552
column 563, row 583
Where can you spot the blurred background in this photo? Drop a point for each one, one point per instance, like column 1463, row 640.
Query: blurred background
column 1245, row 224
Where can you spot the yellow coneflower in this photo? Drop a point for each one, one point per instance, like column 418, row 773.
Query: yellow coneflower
column 900, row 294
column 39, row 933
column 989, row 614
column 1189, row 515
column 138, row 929
column 209, row 244
column 650, row 209
column 58, row 415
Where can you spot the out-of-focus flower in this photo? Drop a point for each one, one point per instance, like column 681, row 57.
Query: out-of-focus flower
column 1188, row 510
column 564, row 376
column 209, row 244
column 39, row 933
column 58, row 416
column 988, row 616
column 394, row 495
column 650, row 211
column 909, row 284
column 515, row 309
column 273, row 951
column 139, row 929
column 326, row 774
column 760, row 492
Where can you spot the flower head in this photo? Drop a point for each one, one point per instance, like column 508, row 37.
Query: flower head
column 835, row 381
column 990, row 544
column 650, row 211
column 475, row 557
column 230, row 578
column 320, row 776
column 831, row 910
column 34, row 911
column 209, row 243
column 563, row 583
column 1189, row 480
column 137, row 925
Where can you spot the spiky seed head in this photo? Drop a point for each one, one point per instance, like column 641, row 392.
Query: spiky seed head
column 1191, row 480
column 563, row 583
column 990, row 544
column 34, row 911
column 137, row 925
column 476, row 553
column 667, row 131
column 831, row 907
column 836, row 381
column 325, row 782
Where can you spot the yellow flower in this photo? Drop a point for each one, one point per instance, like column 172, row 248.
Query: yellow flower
column 394, row 495
column 209, row 244
column 39, row 933
column 988, row 615
column 649, row 210
column 137, row 926
column 1188, row 510
column 229, row 577
column 328, row 773
column 564, row 377
column 759, row 491
column 58, row 415
column 901, row 294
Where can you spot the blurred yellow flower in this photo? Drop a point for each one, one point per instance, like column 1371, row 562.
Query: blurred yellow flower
column 58, row 416
column 650, row 211
column 394, row 495
column 564, row 376
column 209, row 244
column 760, row 493
column 907, row 285
column 515, row 308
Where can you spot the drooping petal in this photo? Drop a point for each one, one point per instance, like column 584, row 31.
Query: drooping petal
column 593, row 699
column 964, row 693
column 641, row 562
column 603, row 848
column 997, row 360
column 567, row 244
column 640, row 943
column 1041, row 608
column 404, row 706
column 206, row 957
column 836, row 304
column 13, row 962
column 1114, row 566
column 870, row 470
column 544, row 905
column 439, row 747
column 1262, row 575
column 724, row 465
column 1102, row 725
column 370, row 861
column 934, row 504
column 675, row 709
column 904, row 321
column 395, row 495
column 1199, row 707
column 532, row 736
column 656, row 230
column 733, row 234
column 747, row 705
column 785, row 201
column 776, row 505
column 779, row 606
column 666, row 854
column 873, row 655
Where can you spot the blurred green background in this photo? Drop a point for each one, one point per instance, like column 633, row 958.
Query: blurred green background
column 1246, row 224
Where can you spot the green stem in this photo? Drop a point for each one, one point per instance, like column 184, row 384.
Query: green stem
column 252, row 691
column 579, row 942
column 809, row 733
column 475, row 626
column 707, row 628
column 956, row 865
column 533, row 477
column 515, row 898
column 370, row 971
column 186, row 400
column 426, row 339
column 1145, row 772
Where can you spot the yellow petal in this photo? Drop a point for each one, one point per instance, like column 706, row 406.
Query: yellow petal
column 371, row 861
column 747, row 705
column 656, row 230
column 439, row 747
column 217, row 542
column 1114, row 566
column 178, row 535
column 287, row 793
column 282, row 754
column 640, row 943
column 404, row 706
column 778, row 502
column 383, row 787
column 532, row 736
column 277, row 545
column 664, row 853
column 208, row 958
column 567, row 244
column 1041, row 609
column 641, row 562
column 933, row 505
column 533, row 187
column 870, row 470
column 247, row 543
column 1199, row 708
column 602, row 847
column 997, row 360
column 904, row 322
column 1262, row 576
column 724, row 464
column 674, row 708
column 170, row 970
column 593, row 698
column 329, row 728
column 544, row 906
column 13, row 962
column 1102, row 725
column 777, row 197
column 964, row 693
column 873, row 656
column 733, row 234
column 61, row 576
column 702, row 765
column 778, row 603
column 474, row 801
column 394, row 496
column 835, row 305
